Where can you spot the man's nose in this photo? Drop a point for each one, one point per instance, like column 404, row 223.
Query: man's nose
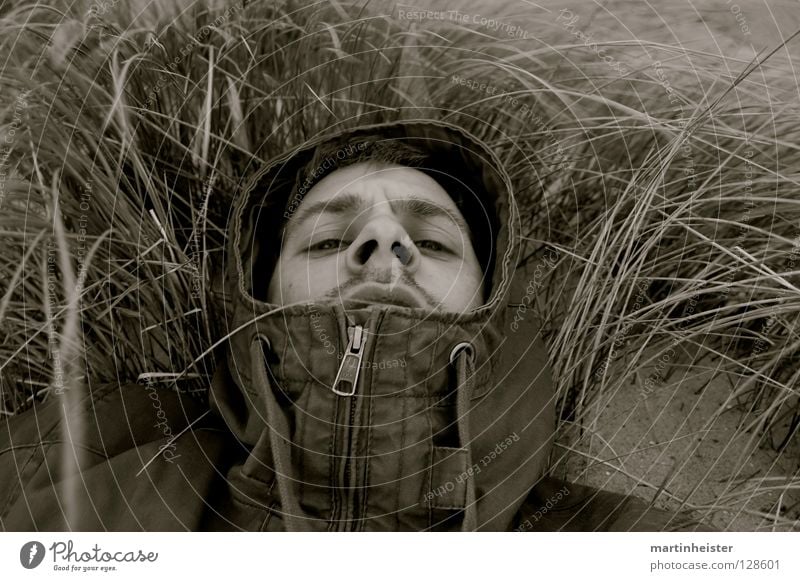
column 382, row 245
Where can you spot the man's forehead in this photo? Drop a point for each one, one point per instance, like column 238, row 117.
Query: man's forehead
column 353, row 189
column 373, row 179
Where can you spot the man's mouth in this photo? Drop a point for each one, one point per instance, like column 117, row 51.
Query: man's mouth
column 377, row 293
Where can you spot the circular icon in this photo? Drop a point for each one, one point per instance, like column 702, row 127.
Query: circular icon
column 31, row 554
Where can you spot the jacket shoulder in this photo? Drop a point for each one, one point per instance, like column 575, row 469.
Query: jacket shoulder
column 109, row 419
column 113, row 453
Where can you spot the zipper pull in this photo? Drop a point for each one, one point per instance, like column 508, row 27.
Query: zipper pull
column 347, row 378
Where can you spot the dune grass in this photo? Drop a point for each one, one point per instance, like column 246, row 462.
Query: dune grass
column 669, row 195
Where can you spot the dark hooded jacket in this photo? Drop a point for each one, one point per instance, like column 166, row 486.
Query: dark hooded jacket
column 378, row 419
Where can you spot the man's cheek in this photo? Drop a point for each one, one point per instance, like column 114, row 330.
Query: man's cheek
column 321, row 278
column 289, row 291
column 436, row 279
column 455, row 284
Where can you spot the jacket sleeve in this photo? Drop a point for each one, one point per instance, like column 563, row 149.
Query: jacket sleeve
column 94, row 472
column 25, row 441
column 556, row 505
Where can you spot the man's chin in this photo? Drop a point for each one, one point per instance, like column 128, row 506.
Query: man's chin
column 380, row 295
column 356, row 304
column 353, row 304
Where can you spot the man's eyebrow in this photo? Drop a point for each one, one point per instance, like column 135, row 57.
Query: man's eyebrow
column 349, row 203
column 426, row 208
column 344, row 204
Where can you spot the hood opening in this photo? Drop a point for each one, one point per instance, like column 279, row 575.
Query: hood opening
column 458, row 163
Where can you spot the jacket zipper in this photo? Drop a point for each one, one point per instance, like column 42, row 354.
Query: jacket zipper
column 346, row 380
column 345, row 385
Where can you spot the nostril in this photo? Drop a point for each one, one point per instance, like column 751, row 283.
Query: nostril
column 365, row 251
column 401, row 252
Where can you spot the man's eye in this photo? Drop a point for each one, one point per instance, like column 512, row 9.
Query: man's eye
column 329, row 244
column 431, row 245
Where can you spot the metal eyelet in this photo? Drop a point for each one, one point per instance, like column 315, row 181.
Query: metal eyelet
column 458, row 348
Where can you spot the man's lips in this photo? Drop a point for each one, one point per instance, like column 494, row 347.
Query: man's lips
column 376, row 293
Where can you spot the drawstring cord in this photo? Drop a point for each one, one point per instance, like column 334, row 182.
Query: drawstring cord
column 279, row 439
column 465, row 377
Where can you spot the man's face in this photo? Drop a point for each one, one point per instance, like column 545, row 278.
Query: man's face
column 370, row 233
